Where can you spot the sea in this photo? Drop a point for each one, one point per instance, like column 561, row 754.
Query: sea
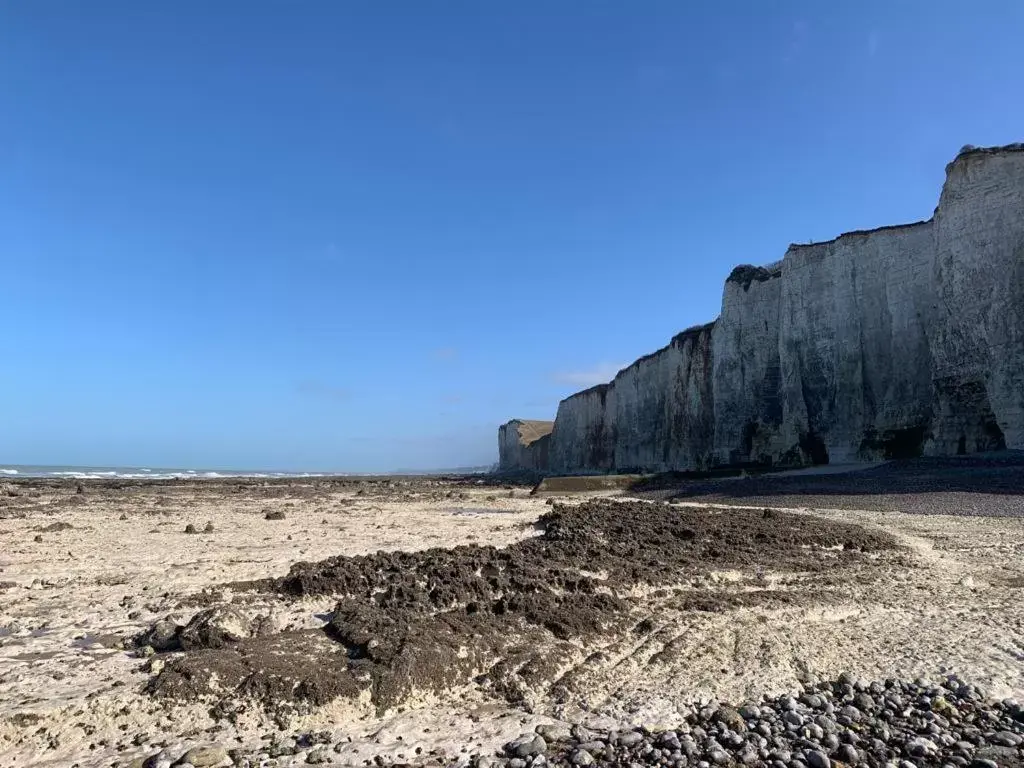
column 164, row 473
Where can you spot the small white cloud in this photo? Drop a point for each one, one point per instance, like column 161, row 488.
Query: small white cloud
column 599, row 374
column 874, row 39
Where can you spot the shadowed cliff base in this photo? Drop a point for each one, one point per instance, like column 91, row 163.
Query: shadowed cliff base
column 513, row 621
column 988, row 484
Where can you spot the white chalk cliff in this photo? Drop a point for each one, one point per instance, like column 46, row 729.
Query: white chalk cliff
column 894, row 342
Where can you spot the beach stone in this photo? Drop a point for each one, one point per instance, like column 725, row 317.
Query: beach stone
column 161, row 636
column 630, row 738
column 216, row 627
column 319, row 756
column 1007, row 739
column 581, row 757
column 848, row 754
column 813, row 700
column 190, row 528
column 719, row 757
column 814, row 731
column 816, row 759
column 793, row 718
column 528, row 745
column 731, row 719
column 274, row 514
column 552, row 732
column 205, row 757
column 983, row 762
column 581, row 733
column 922, row 747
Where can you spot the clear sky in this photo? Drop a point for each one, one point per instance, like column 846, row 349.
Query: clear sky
column 360, row 235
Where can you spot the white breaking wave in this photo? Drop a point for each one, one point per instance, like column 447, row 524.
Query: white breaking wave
column 8, row 471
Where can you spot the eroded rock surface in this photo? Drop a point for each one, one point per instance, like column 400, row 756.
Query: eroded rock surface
column 510, row 620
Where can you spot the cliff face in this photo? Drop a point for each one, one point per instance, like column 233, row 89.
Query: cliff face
column 892, row 342
column 584, row 436
column 523, row 444
column 747, row 368
column 664, row 412
column 978, row 336
column 855, row 361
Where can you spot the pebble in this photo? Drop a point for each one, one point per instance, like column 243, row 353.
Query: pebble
column 581, row 757
column 630, row 738
column 205, row 757
column 841, row 724
column 1007, row 739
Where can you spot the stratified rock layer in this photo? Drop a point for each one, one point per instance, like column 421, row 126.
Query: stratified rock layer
column 893, row 342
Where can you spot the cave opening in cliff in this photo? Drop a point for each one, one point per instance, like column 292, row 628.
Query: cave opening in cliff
column 814, row 447
column 907, row 443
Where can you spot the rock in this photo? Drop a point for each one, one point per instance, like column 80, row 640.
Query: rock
column 750, row 711
column 793, row 718
column 205, row 757
column 816, row 759
column 190, row 528
column 922, row 747
column 850, row 712
column 848, row 754
column 1007, row 739
column 580, row 733
column 274, row 514
column 162, row 636
column 863, row 702
column 552, row 732
column 38, row 539
column 630, row 738
column 813, row 700
column 581, row 757
column 527, row 745
column 731, row 719
column 982, row 762
column 217, row 627
column 208, row 528
column 319, row 756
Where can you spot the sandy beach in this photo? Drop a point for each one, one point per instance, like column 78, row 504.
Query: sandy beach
column 660, row 605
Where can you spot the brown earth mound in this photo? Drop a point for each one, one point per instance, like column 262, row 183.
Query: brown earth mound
column 507, row 619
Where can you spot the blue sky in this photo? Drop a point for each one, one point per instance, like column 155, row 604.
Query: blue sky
column 358, row 236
